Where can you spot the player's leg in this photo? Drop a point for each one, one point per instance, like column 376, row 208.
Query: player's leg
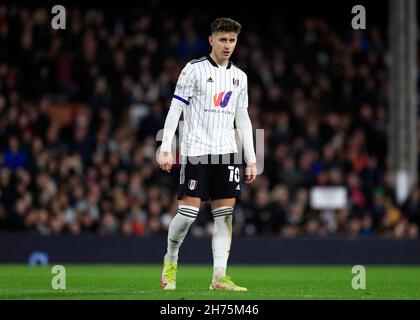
column 224, row 189
column 222, row 211
column 188, row 208
column 191, row 188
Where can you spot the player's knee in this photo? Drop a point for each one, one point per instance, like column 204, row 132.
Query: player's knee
column 218, row 203
column 190, row 201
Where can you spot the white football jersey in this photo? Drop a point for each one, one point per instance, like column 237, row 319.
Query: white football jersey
column 211, row 95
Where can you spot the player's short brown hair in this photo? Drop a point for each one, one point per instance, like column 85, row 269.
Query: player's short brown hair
column 225, row 25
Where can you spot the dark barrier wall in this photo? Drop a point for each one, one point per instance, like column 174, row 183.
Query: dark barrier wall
column 18, row 248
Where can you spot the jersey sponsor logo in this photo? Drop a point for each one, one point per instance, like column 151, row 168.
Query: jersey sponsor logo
column 192, row 184
column 221, row 99
column 210, row 80
column 238, row 187
column 235, row 82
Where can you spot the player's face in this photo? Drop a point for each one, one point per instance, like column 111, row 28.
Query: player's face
column 223, row 44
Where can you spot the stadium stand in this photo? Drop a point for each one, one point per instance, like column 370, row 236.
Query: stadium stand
column 80, row 109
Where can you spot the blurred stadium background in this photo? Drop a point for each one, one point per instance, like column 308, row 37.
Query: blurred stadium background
column 80, row 109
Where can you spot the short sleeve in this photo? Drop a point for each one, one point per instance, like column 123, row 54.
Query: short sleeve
column 185, row 86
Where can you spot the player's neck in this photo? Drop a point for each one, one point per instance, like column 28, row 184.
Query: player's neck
column 221, row 63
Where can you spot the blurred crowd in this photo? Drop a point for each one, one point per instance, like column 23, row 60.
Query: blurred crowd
column 319, row 94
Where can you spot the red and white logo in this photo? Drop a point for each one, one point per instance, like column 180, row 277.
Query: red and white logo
column 192, row 184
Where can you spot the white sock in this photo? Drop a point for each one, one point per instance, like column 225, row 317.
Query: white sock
column 218, row 273
column 178, row 229
column 222, row 238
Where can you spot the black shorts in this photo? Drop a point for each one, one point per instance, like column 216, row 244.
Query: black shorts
column 210, row 177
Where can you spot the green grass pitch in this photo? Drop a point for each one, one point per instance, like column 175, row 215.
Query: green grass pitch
column 271, row 282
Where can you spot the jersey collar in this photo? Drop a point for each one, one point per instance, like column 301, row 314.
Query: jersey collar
column 215, row 64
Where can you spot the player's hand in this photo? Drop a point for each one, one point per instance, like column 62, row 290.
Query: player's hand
column 250, row 173
column 165, row 161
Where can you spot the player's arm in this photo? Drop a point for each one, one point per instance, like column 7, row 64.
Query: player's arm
column 183, row 92
column 243, row 123
column 165, row 158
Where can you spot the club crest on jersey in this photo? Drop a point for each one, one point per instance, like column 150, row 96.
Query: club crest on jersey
column 192, row 184
column 221, row 99
column 235, row 82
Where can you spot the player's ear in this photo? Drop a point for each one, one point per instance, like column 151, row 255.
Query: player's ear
column 211, row 40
